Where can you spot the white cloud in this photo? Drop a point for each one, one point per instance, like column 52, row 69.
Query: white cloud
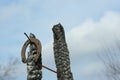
column 91, row 68
column 90, row 35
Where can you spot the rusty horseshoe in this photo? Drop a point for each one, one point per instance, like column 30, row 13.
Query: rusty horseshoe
column 38, row 45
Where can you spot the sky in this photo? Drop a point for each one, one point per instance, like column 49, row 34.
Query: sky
column 90, row 27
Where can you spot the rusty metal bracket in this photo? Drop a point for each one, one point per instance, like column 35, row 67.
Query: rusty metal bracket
column 29, row 41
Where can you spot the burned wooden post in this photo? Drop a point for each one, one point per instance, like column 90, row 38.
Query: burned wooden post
column 34, row 63
column 61, row 54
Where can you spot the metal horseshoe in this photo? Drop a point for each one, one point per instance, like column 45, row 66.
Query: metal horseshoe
column 38, row 45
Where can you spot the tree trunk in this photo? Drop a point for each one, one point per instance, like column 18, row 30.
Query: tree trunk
column 61, row 54
column 33, row 71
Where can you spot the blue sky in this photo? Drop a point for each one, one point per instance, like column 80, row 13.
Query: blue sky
column 89, row 25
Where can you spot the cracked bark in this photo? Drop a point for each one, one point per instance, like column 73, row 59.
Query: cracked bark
column 33, row 71
column 61, row 54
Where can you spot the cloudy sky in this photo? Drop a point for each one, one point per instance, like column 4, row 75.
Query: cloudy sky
column 90, row 27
